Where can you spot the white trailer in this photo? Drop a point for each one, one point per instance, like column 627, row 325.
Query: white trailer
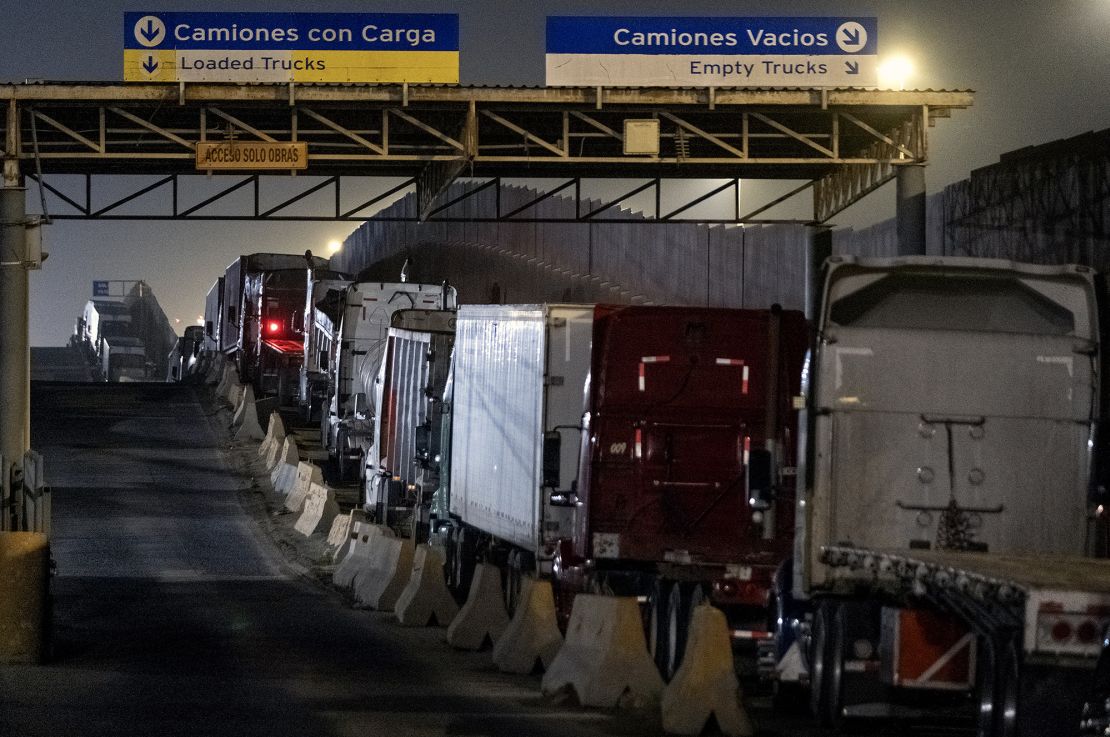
column 946, row 532
column 519, row 374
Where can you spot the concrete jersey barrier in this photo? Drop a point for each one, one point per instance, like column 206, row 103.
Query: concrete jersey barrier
column 358, row 555
column 339, row 537
column 246, row 418
column 284, row 473
column 533, row 633
column 381, row 582
column 320, row 508
column 483, row 616
column 307, row 475
column 275, row 435
column 605, row 654
column 426, row 599
column 706, row 684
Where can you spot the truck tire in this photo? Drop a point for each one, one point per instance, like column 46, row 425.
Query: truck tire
column 820, row 658
column 985, row 668
column 466, row 547
column 657, row 623
column 513, row 582
column 678, row 625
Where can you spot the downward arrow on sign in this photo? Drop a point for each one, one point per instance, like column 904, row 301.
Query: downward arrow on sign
column 150, row 65
column 851, row 36
column 150, row 32
column 853, row 67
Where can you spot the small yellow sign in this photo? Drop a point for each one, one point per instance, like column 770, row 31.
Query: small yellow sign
column 224, row 155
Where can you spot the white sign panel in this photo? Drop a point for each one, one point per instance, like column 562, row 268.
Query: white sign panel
column 712, row 52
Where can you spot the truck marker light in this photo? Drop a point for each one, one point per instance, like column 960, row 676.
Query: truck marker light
column 273, row 326
column 643, row 363
column 1061, row 631
column 1087, row 632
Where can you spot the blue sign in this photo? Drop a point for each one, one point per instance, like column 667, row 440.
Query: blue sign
column 293, row 31
column 100, row 289
column 290, row 47
column 806, row 51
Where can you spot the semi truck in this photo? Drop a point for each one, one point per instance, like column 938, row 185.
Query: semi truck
column 403, row 472
column 100, row 319
column 367, row 308
column 259, row 313
column 608, row 447
column 123, row 358
column 213, row 317
column 186, row 359
column 950, row 544
column 323, row 308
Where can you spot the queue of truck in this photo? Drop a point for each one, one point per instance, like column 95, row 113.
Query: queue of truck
column 900, row 508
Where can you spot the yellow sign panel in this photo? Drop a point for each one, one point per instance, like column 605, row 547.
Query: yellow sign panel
column 169, row 65
column 240, row 155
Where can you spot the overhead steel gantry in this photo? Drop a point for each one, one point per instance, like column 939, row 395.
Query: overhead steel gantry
column 843, row 142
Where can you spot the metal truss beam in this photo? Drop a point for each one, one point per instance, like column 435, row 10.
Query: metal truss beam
column 845, row 141
column 100, row 198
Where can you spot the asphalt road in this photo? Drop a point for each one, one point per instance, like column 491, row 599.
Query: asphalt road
column 180, row 608
column 175, row 615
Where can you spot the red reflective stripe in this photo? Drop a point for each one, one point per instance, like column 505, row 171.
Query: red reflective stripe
column 744, row 382
column 642, row 383
column 639, row 448
column 747, row 448
column 655, row 359
column 730, row 361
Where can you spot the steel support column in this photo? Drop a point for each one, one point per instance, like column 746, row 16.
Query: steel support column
column 15, row 386
column 910, row 209
column 820, row 248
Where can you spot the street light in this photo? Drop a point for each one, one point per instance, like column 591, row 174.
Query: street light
column 894, row 71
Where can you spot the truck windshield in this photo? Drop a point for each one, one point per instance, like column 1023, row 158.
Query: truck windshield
column 952, row 302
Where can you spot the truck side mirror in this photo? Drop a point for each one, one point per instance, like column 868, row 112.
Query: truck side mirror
column 760, row 479
column 552, row 452
column 423, row 440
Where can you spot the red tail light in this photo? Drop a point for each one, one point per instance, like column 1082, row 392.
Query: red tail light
column 273, row 327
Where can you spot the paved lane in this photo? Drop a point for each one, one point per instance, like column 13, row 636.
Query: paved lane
column 174, row 617
column 175, row 614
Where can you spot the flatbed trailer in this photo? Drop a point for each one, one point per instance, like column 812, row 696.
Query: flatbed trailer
column 951, row 530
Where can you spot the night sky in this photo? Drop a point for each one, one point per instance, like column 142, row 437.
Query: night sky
column 1041, row 71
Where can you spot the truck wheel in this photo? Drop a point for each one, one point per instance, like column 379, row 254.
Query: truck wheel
column 657, row 623
column 466, row 549
column 513, row 582
column 449, row 555
column 819, row 665
column 678, row 623
column 834, row 670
